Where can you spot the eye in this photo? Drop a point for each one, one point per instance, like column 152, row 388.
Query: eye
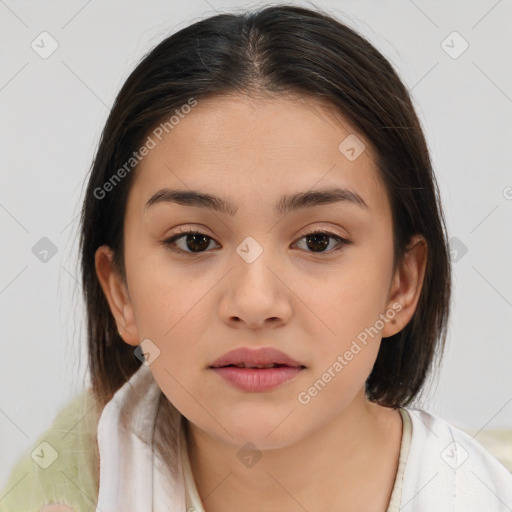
column 318, row 239
column 196, row 242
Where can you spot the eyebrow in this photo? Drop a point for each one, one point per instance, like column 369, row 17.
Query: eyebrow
column 286, row 204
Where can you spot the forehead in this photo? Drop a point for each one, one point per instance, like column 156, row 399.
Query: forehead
column 245, row 148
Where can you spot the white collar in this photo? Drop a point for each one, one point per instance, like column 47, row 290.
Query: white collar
column 131, row 477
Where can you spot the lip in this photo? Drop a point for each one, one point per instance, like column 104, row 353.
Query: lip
column 255, row 356
column 256, row 379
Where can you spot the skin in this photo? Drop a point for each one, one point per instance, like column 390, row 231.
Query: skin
column 338, row 451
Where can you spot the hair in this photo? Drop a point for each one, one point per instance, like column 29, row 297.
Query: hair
column 275, row 51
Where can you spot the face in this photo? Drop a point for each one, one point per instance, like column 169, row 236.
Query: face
column 256, row 276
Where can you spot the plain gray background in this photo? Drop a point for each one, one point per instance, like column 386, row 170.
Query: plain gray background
column 52, row 113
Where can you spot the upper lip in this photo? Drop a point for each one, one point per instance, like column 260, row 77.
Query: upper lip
column 255, row 357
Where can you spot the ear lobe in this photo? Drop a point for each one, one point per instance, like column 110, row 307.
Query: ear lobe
column 407, row 285
column 117, row 295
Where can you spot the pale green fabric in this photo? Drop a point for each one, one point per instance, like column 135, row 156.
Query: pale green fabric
column 72, row 478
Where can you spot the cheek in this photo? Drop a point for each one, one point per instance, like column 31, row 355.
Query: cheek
column 170, row 304
column 162, row 294
column 177, row 323
column 345, row 341
column 347, row 303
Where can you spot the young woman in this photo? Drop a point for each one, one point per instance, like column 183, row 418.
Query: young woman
column 267, row 280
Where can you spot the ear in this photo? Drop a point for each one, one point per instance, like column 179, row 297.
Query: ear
column 407, row 285
column 117, row 295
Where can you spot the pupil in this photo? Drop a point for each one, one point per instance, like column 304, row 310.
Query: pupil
column 195, row 238
column 316, row 237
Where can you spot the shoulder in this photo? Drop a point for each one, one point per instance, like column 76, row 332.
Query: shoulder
column 446, row 467
column 59, row 472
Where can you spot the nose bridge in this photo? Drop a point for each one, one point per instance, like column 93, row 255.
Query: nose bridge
column 256, row 291
column 252, row 260
column 250, row 250
column 256, row 295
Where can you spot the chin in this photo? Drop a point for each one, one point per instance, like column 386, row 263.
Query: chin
column 266, row 432
column 262, row 440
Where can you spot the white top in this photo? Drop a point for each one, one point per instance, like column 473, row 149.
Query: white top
column 441, row 468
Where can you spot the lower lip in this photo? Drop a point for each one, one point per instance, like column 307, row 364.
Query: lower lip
column 257, row 379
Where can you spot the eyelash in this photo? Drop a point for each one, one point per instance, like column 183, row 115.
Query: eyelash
column 169, row 242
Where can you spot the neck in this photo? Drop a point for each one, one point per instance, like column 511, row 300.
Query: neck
column 349, row 463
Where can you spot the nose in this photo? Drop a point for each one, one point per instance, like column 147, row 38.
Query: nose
column 256, row 293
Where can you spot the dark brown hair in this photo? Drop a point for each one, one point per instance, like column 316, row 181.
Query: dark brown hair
column 276, row 50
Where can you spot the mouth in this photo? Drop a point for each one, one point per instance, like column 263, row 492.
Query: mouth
column 259, row 366
column 257, row 378
column 256, row 358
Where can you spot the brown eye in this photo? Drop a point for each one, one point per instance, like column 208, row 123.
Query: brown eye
column 193, row 242
column 317, row 241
